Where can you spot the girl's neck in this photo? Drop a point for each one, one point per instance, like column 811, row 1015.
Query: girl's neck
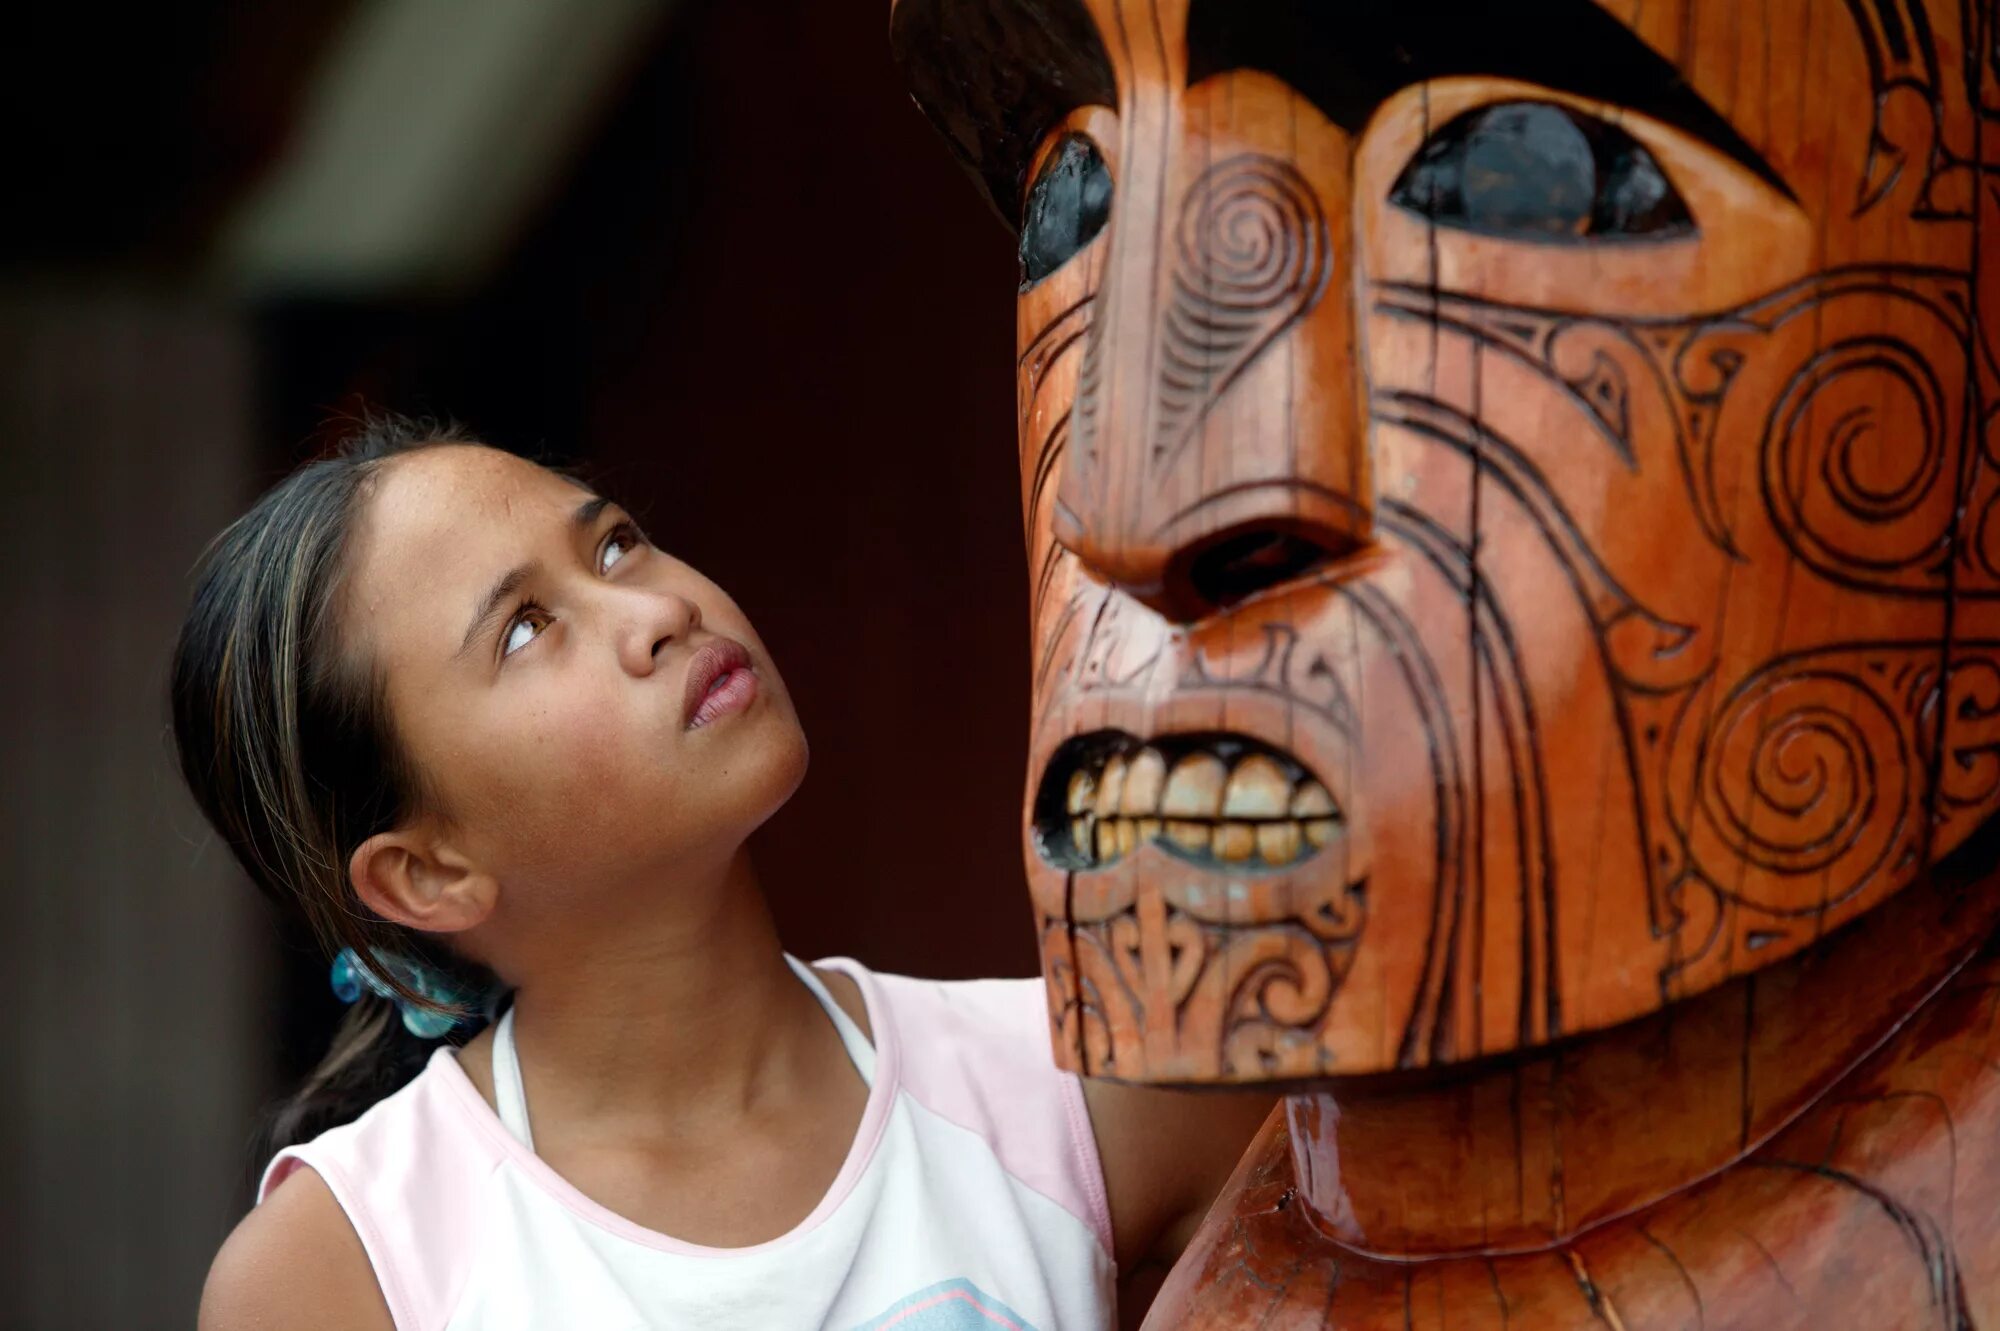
column 674, row 1020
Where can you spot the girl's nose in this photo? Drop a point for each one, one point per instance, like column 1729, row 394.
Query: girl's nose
column 660, row 618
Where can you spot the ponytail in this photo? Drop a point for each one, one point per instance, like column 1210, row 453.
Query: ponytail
column 284, row 739
column 371, row 1058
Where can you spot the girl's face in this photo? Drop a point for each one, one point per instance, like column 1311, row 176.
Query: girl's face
column 590, row 713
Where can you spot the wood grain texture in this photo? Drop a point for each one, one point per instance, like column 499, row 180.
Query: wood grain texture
column 1512, row 495
column 1844, row 1173
column 1595, row 500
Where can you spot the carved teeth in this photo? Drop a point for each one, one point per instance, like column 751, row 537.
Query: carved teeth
column 1234, row 842
column 1119, row 796
column 1194, row 788
column 1278, row 843
column 1258, row 788
column 1312, row 801
column 1082, row 791
column 1110, row 787
column 1144, row 779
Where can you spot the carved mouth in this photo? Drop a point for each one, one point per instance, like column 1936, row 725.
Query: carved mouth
column 1218, row 800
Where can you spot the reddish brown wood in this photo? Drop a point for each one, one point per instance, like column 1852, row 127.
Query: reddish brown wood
column 1513, row 503
column 1637, row 1180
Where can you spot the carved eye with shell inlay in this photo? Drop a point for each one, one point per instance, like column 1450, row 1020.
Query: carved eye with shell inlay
column 1540, row 172
column 1067, row 206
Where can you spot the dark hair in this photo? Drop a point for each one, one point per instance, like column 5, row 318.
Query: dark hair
column 284, row 737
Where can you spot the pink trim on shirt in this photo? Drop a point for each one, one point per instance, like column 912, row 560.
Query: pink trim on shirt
column 410, row 1183
column 413, row 1173
column 475, row 1111
column 988, row 1068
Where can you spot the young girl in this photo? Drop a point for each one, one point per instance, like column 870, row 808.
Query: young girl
column 504, row 753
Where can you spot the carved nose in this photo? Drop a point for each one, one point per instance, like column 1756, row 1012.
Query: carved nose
column 1216, row 448
column 1189, row 582
column 1253, row 558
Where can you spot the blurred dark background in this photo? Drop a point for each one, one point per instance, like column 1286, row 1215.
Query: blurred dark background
column 705, row 248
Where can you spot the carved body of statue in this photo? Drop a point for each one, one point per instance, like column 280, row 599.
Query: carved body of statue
column 1513, row 501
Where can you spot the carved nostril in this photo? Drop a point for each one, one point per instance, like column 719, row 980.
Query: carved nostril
column 1244, row 562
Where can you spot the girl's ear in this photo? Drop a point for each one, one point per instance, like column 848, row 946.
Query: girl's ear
column 409, row 878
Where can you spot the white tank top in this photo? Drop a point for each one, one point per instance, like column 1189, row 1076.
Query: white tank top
column 971, row 1196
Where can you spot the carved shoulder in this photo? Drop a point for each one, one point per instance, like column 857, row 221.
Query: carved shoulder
column 1873, row 1209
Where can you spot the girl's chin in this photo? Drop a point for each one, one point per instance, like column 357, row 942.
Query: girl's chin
column 765, row 775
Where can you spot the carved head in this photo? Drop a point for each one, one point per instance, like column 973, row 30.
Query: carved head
column 1512, row 495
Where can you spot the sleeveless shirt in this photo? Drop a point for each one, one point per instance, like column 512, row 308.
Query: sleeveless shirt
column 971, row 1196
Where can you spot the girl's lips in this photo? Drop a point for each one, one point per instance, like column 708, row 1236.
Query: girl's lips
column 719, row 681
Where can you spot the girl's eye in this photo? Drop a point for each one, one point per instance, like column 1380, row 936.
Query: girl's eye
column 521, row 630
column 617, row 545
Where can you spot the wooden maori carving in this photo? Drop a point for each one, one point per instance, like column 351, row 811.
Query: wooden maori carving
column 1513, row 502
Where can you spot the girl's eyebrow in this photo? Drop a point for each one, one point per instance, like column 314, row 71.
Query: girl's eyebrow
column 582, row 520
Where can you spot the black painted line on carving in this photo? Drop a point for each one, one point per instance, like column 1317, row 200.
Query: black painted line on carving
column 1069, row 883
column 1755, row 690
column 1213, row 328
column 1565, row 551
column 1499, row 1295
column 1420, row 675
column 1050, row 330
column 1950, row 1121
column 1476, row 638
column 1769, row 1260
column 1939, row 291
column 1705, row 776
column 1134, row 454
column 1055, row 636
column 1925, row 40
column 1075, row 973
column 1704, row 504
column 1818, row 316
column 1700, row 1309
column 1051, row 560
column 1466, row 882
column 1333, row 1283
column 1969, row 458
column 1933, row 1249
column 1892, row 30
column 1052, row 448
column 1515, row 715
column 1835, row 565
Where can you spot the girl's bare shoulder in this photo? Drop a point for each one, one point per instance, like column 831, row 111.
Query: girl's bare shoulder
column 294, row 1264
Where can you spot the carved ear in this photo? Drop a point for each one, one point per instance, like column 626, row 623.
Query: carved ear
column 409, row 877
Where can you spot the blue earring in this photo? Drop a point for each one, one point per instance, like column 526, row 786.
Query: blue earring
column 350, row 977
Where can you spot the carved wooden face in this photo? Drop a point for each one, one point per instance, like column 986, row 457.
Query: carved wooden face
column 1512, row 496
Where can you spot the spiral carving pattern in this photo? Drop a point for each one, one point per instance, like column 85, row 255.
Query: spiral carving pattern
column 1808, row 779
column 1251, row 255
column 1854, row 463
